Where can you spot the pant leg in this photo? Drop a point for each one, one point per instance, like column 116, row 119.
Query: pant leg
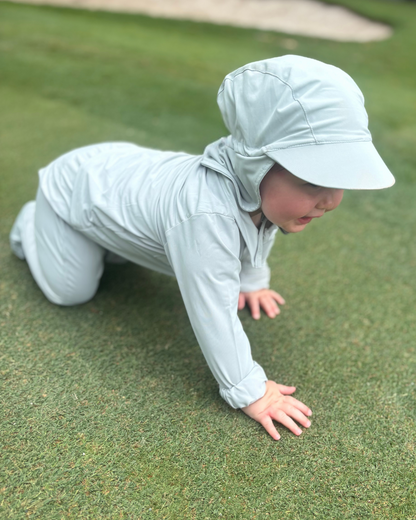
column 66, row 265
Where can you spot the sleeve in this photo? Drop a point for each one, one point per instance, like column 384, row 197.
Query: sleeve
column 256, row 278
column 253, row 278
column 203, row 252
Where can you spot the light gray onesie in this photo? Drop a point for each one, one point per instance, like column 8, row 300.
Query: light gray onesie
column 167, row 212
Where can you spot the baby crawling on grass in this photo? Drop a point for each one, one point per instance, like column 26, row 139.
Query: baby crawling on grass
column 298, row 138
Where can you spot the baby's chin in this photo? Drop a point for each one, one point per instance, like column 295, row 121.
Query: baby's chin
column 291, row 227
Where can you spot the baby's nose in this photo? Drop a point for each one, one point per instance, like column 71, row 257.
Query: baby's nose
column 331, row 199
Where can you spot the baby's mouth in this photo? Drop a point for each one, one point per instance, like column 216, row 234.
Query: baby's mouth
column 305, row 220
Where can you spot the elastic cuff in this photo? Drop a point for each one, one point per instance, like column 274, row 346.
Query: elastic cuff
column 249, row 390
column 255, row 279
column 251, row 287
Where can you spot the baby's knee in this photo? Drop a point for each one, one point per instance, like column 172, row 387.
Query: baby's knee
column 74, row 296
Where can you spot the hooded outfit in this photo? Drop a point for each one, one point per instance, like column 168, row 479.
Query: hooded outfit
column 188, row 216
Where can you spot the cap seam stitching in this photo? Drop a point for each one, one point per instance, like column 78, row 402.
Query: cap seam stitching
column 317, row 143
column 269, row 148
column 282, row 81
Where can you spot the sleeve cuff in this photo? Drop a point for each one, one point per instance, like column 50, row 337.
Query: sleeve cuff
column 250, row 389
column 254, row 279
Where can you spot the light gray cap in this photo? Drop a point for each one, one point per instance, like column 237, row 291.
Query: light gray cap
column 307, row 116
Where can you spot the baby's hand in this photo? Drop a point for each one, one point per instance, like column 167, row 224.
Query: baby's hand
column 278, row 405
column 265, row 298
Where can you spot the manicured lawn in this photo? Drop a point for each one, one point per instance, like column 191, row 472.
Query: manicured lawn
column 108, row 408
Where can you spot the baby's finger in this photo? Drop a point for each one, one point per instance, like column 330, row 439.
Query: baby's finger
column 296, row 414
column 254, row 307
column 299, row 405
column 241, row 302
column 268, row 425
column 278, row 297
column 280, row 416
column 286, row 390
column 269, row 306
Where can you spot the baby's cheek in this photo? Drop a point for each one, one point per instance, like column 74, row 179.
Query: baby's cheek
column 295, row 209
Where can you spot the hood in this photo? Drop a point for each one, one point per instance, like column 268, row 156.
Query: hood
column 301, row 113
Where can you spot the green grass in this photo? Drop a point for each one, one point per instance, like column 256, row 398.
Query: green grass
column 108, row 408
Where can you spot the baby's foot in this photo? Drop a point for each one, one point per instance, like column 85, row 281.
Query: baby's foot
column 16, row 232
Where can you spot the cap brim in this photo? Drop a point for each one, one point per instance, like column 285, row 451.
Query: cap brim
column 350, row 166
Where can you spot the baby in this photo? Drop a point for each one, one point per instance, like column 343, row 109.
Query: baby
column 299, row 137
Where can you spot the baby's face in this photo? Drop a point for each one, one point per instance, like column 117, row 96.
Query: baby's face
column 291, row 203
